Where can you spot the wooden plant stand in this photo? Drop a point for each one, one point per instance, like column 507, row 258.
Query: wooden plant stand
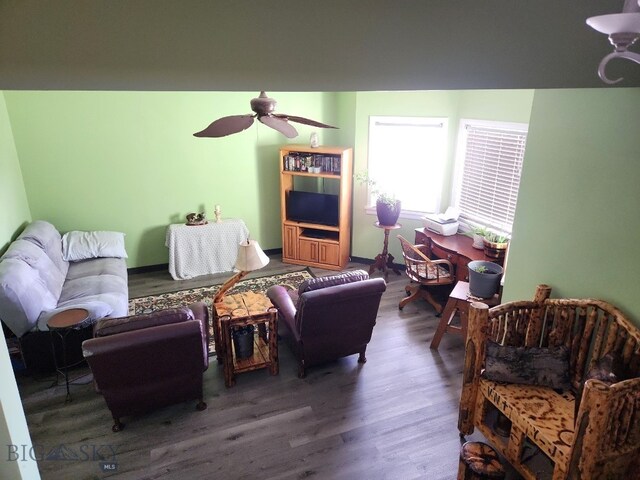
column 384, row 260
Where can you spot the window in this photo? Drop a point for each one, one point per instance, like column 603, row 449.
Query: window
column 488, row 168
column 407, row 156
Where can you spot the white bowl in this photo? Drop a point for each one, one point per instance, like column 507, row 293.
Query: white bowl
column 615, row 23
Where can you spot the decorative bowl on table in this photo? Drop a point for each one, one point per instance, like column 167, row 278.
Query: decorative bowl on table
column 196, row 219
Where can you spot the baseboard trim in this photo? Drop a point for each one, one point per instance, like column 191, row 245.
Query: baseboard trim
column 165, row 266
column 148, row 268
column 368, row 261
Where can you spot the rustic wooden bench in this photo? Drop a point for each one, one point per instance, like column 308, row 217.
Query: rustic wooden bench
column 603, row 439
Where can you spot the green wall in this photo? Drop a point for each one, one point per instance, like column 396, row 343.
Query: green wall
column 13, row 198
column 504, row 105
column 128, row 161
column 577, row 224
column 14, row 214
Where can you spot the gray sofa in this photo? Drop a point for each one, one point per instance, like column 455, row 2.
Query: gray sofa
column 36, row 282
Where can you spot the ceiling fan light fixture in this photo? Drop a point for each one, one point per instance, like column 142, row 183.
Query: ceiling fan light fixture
column 263, row 108
column 623, row 30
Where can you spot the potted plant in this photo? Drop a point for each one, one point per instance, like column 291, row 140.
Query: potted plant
column 484, row 278
column 478, row 233
column 387, row 205
column 495, row 245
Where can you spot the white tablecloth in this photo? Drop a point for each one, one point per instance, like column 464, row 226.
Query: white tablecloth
column 204, row 249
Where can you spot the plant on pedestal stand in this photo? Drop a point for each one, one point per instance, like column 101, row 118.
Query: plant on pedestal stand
column 387, row 205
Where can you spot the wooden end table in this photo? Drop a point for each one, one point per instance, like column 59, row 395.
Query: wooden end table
column 240, row 310
column 384, row 260
column 61, row 324
column 458, row 302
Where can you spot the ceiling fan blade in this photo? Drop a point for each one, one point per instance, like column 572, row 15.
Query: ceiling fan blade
column 226, row 126
column 279, row 124
column 306, row 121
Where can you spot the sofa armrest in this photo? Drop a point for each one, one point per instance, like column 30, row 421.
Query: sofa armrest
column 201, row 313
column 280, row 298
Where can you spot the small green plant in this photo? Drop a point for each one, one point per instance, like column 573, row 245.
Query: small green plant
column 481, row 269
column 496, row 238
column 389, row 199
column 479, row 230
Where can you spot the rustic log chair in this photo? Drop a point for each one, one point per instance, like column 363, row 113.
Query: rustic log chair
column 607, row 425
column 424, row 272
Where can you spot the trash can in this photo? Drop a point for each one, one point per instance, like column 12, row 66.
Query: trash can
column 243, row 341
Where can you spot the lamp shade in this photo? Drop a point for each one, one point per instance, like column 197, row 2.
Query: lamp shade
column 615, row 23
column 251, row 257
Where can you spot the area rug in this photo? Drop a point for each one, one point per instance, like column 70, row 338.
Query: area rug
column 153, row 303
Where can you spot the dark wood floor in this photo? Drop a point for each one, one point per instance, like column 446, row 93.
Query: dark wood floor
column 394, row 417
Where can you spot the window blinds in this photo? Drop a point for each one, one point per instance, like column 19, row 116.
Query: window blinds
column 491, row 175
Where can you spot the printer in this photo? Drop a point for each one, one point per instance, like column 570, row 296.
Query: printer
column 443, row 223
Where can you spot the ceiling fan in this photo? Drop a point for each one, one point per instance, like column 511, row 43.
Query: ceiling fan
column 263, row 107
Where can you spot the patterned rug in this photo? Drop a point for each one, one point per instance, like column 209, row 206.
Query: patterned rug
column 153, row 303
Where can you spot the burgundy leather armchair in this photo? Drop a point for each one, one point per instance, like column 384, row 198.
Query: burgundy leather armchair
column 145, row 362
column 328, row 317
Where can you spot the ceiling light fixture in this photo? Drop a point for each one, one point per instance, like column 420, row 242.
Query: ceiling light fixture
column 623, row 30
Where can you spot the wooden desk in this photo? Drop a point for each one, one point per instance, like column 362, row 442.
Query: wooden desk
column 455, row 248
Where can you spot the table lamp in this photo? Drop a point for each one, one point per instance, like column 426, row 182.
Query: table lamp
column 250, row 257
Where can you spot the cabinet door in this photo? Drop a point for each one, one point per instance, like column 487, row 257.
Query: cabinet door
column 308, row 250
column 289, row 238
column 329, row 253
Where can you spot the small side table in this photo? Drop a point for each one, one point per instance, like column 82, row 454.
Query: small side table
column 384, row 260
column 242, row 309
column 458, row 303
column 61, row 324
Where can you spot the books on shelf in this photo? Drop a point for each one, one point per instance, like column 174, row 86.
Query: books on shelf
column 311, row 163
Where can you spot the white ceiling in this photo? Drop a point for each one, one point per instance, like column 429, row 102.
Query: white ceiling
column 303, row 45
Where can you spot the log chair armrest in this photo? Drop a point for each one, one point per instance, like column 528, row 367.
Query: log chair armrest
column 475, row 347
column 601, row 436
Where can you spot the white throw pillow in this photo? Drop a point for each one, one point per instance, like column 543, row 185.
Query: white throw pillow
column 78, row 246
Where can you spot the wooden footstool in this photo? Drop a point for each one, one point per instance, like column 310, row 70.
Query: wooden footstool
column 478, row 461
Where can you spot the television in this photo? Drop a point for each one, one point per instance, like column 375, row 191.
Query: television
column 310, row 207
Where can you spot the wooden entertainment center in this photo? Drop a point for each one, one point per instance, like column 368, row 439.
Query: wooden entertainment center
column 323, row 170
